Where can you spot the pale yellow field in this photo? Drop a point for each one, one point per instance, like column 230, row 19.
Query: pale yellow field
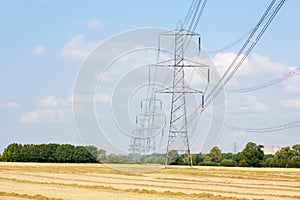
column 96, row 181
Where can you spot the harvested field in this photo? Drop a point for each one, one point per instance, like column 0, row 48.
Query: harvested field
column 96, row 181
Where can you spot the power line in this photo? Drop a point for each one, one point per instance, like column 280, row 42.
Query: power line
column 277, row 80
column 248, row 46
column 228, row 46
column 233, row 43
column 280, row 127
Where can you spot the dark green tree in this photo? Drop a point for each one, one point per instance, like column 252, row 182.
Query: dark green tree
column 296, row 147
column 198, row 158
column 93, row 150
column 283, row 157
column 47, row 153
column 228, row 163
column 183, row 160
column 13, row 153
column 238, row 157
column 82, row 155
column 173, row 157
column 207, row 161
column 295, row 161
column 253, row 155
column 227, row 156
column 215, row 154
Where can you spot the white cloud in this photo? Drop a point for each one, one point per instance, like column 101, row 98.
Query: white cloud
column 95, row 24
column 89, row 98
column 102, row 98
column 247, row 104
column 51, row 101
column 45, row 116
column 253, row 65
column 290, row 103
column 50, row 110
column 292, row 85
column 8, row 105
column 223, row 60
column 76, row 49
column 253, row 104
column 40, row 50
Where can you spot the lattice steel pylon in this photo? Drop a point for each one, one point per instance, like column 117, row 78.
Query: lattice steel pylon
column 149, row 124
column 178, row 127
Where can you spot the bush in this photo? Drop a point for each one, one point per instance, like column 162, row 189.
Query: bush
column 295, row 162
column 228, row 163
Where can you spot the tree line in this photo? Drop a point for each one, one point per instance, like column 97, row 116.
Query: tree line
column 251, row 156
column 57, row 153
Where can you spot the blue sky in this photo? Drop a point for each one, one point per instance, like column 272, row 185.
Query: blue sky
column 43, row 44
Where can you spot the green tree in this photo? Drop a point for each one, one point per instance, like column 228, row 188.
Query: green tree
column 296, row 147
column 283, row 157
column 227, row 156
column 228, row 163
column 51, row 155
column 253, row 155
column 112, row 158
column 207, row 161
column 215, row 154
column 198, row 158
column 13, row 153
column 238, row 157
column 93, row 150
column 47, row 153
column 295, row 161
column 269, row 162
column 101, row 155
column 173, row 157
column 65, row 153
column 183, row 160
column 243, row 163
column 82, row 155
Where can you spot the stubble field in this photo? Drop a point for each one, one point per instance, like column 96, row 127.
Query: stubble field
column 96, row 181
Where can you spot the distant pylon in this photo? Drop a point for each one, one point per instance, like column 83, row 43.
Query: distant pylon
column 178, row 127
column 149, row 124
column 235, row 147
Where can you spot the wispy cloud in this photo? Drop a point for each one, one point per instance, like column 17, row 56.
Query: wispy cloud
column 51, row 109
column 292, row 86
column 40, row 50
column 45, row 116
column 253, row 65
column 51, row 101
column 8, row 105
column 95, row 24
column 77, row 49
column 290, row 103
column 89, row 98
column 247, row 104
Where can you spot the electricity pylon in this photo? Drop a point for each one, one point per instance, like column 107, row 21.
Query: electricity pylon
column 149, row 124
column 178, row 127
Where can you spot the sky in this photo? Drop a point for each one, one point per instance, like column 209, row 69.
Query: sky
column 44, row 43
